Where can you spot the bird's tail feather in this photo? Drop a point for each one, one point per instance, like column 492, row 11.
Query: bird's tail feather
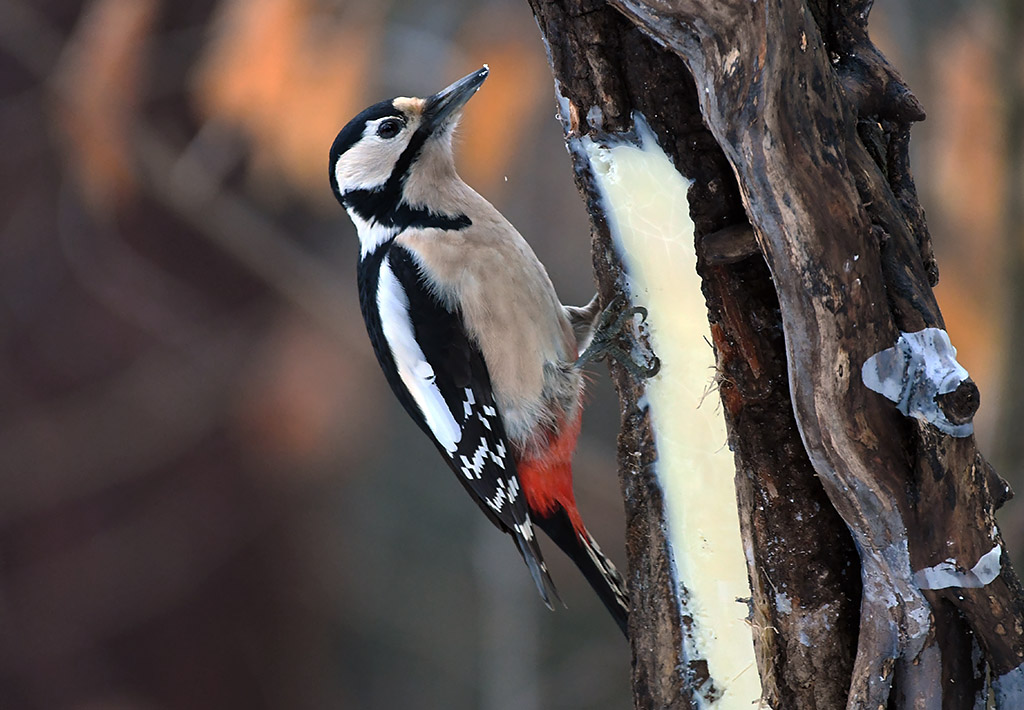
column 595, row 566
column 528, row 548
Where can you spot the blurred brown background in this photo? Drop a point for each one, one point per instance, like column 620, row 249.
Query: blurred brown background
column 208, row 497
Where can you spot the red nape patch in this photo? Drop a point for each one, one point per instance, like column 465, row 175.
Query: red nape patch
column 547, row 479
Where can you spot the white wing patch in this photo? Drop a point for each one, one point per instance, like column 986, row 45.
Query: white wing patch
column 416, row 373
column 473, row 466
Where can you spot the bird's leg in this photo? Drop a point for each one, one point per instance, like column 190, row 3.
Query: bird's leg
column 609, row 334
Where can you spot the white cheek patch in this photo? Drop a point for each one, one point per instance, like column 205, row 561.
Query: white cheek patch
column 368, row 164
column 365, row 166
column 914, row 372
column 413, row 369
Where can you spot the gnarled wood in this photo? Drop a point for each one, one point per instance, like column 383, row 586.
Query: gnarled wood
column 804, row 136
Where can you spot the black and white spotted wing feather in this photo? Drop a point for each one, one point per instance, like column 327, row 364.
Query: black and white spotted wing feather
column 439, row 375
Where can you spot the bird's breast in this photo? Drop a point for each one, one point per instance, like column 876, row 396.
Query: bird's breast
column 510, row 309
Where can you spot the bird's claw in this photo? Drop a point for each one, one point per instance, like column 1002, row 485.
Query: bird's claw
column 609, row 334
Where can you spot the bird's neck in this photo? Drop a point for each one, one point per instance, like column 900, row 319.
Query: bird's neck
column 372, row 233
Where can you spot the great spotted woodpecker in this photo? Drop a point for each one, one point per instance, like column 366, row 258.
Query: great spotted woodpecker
column 467, row 327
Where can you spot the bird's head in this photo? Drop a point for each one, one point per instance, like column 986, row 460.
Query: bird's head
column 390, row 161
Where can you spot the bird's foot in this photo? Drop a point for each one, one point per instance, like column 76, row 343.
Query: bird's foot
column 611, row 336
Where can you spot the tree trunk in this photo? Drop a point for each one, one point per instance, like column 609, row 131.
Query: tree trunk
column 878, row 577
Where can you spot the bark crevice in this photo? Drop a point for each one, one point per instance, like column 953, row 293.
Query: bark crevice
column 814, row 256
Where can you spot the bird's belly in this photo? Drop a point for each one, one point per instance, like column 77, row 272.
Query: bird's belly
column 531, row 421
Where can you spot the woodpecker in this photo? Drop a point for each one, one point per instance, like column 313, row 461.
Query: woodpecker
column 467, row 327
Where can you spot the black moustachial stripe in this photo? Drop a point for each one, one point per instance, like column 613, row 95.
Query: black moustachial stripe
column 380, row 206
column 384, row 205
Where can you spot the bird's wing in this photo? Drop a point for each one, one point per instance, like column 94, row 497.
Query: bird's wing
column 441, row 378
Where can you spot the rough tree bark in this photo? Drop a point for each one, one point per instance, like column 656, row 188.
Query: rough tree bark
column 877, row 571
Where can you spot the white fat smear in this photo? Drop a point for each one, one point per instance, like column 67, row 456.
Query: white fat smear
column 947, row 574
column 919, row 367
column 644, row 198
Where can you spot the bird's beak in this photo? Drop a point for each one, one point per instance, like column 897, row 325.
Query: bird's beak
column 445, row 104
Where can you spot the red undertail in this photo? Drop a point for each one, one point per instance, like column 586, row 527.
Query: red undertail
column 547, row 479
column 547, row 484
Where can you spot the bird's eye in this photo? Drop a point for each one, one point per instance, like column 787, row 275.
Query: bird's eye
column 389, row 128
